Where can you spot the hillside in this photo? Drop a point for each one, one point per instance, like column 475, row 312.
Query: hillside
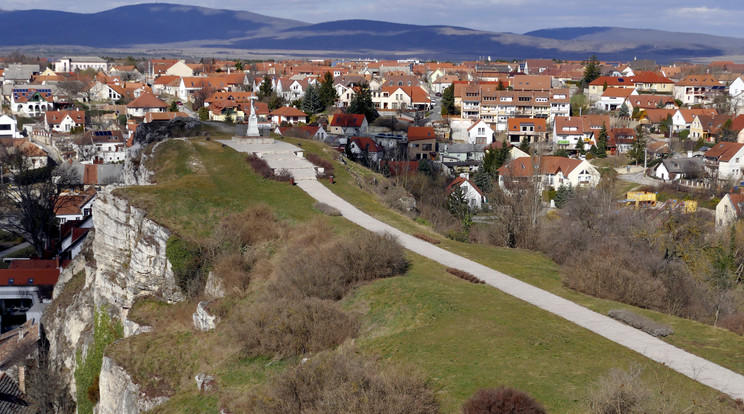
column 461, row 336
column 167, row 26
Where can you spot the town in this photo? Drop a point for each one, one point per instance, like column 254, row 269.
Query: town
column 633, row 169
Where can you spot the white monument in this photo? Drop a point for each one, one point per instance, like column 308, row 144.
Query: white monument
column 252, row 130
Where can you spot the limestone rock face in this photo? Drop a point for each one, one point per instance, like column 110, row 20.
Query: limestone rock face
column 119, row 395
column 203, row 321
column 129, row 253
column 214, row 288
column 125, row 260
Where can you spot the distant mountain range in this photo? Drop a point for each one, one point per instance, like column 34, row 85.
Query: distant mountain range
column 163, row 26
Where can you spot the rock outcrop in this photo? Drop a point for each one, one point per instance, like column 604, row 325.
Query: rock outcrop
column 125, row 261
column 119, row 395
column 203, row 321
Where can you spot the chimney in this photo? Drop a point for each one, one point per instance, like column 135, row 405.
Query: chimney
column 689, row 154
column 22, row 379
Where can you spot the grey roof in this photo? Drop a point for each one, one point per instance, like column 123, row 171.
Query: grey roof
column 107, row 173
column 460, row 148
column 12, row 400
column 684, row 165
column 85, row 59
column 20, row 72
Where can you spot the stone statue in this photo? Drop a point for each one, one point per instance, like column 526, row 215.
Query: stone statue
column 252, row 130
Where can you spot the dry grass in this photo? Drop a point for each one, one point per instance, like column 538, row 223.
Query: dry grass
column 502, row 400
column 464, row 275
column 344, row 382
column 285, row 327
column 427, row 238
column 326, row 209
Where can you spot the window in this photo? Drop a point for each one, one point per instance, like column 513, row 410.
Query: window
column 11, row 281
column 30, row 281
column 524, row 99
column 427, row 147
column 481, row 130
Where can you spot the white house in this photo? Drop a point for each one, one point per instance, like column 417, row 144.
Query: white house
column 729, row 209
column 71, row 64
column 8, row 127
column 75, row 206
column 63, row 121
column 31, row 101
column 613, row 98
column 473, row 195
column 480, row 133
column 724, row 160
column 360, row 145
column 144, row 104
column 348, row 124
column 181, row 69
column 676, row 168
column 103, row 146
column 553, row 171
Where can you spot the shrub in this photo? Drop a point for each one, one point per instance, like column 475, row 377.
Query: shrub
column 329, row 271
column 426, row 238
column 319, row 161
column 259, row 166
column 464, row 275
column 734, row 323
column 186, row 263
column 343, row 382
column 287, row 327
column 641, row 322
column 326, row 209
column 233, row 269
column 619, row 392
column 502, row 400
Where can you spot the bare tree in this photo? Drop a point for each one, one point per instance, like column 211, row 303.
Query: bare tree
column 28, row 206
column 73, row 88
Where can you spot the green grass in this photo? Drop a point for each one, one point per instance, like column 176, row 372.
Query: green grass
column 88, row 369
column 462, row 336
column 715, row 344
column 466, row 337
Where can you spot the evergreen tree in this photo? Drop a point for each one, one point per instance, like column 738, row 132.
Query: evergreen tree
column 591, row 71
column 173, row 107
column 580, row 145
column 275, row 101
column 525, row 145
column 311, row 102
column 563, row 195
column 238, row 65
column 624, row 111
column 602, row 143
column 265, row 89
column 326, row 91
column 203, row 113
column 362, row 103
column 448, row 101
column 483, row 179
column 638, row 149
column 501, row 86
column 493, row 159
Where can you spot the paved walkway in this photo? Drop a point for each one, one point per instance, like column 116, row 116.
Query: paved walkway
column 14, row 249
column 699, row 369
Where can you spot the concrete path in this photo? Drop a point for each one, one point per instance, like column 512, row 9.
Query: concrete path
column 699, row 369
column 14, row 249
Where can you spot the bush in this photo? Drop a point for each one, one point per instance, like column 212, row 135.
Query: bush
column 464, row 275
column 287, row 327
column 246, row 228
column 186, row 263
column 343, row 382
column 734, row 323
column 233, row 269
column 620, row 392
column 641, row 322
column 326, row 209
column 261, row 167
column 329, row 271
column 502, row 400
column 319, row 161
column 426, row 238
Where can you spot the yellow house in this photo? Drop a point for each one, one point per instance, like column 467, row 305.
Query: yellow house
column 640, row 199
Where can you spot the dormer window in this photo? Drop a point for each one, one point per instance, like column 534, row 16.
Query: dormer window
column 11, row 281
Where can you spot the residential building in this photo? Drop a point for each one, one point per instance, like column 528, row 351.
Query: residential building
column 287, row 114
column 472, row 194
column 697, row 89
column 422, row 143
column 64, row 121
column 549, row 171
column 363, row 147
column 79, row 63
column 729, row 209
column 569, row 129
column 348, row 124
column 724, row 161
column 8, row 127
column 480, row 133
column 31, row 101
column 677, row 168
column 144, row 104
column 531, row 130
column 613, row 99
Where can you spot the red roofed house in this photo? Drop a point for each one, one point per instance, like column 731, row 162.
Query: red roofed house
column 480, row 133
column 163, row 116
column 729, row 209
column 530, row 129
column 360, row 146
column 553, row 171
column 422, row 143
column 724, row 160
column 613, row 98
column 24, row 287
column 288, row 114
column 75, row 206
column 697, row 89
column 620, row 140
column 103, row 146
column 567, row 130
column 63, row 121
column 473, row 195
column 144, row 104
column 348, row 124
column 30, row 101
column 306, row 131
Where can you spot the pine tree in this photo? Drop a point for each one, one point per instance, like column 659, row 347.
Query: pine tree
column 448, row 100
column 580, row 145
column 311, row 102
column 602, row 143
column 483, row 179
column 562, row 195
column 591, row 71
column 362, row 103
column 638, row 149
column 265, row 89
column 624, row 111
column 326, row 91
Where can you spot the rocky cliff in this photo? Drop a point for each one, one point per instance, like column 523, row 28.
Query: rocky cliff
column 119, row 394
column 125, row 260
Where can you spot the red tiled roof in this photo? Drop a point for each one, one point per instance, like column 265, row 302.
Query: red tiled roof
column 28, row 277
column 459, row 181
column 348, row 120
column 515, row 123
column 367, row 143
column 287, row 111
column 724, row 151
column 147, row 100
column 56, row 117
column 420, row 133
column 522, row 167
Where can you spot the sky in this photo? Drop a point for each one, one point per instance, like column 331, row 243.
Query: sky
column 718, row 17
